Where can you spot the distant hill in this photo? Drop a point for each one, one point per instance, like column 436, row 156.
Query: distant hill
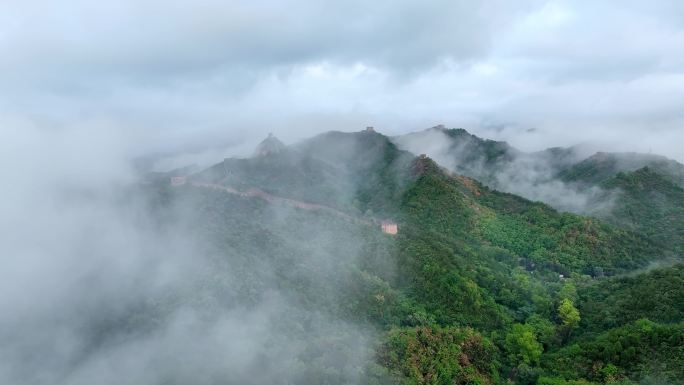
column 357, row 171
column 461, row 151
column 645, row 192
column 501, row 166
column 602, row 166
column 277, row 169
column 640, row 192
column 269, row 146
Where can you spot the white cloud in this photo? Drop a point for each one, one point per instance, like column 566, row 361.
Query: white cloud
column 550, row 16
column 165, row 73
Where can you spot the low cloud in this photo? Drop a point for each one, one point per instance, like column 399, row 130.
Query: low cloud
column 100, row 286
column 168, row 73
column 530, row 175
column 88, row 86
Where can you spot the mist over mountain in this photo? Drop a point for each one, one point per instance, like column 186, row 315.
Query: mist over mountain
column 245, row 192
column 341, row 259
column 637, row 191
column 501, row 166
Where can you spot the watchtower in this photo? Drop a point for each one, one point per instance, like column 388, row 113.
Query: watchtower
column 178, row 180
column 389, row 227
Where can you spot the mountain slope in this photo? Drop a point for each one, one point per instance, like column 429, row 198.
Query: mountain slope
column 501, row 166
column 649, row 202
column 642, row 351
column 283, row 172
column 358, row 171
column 473, row 278
column 461, row 151
column 656, row 294
column 603, row 166
column 641, row 192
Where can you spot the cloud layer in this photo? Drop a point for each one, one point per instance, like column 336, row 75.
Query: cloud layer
column 164, row 74
column 85, row 86
column 104, row 281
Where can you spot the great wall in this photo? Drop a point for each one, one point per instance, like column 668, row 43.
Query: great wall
column 386, row 226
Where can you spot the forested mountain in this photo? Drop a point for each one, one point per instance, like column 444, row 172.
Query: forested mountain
column 602, row 166
column 354, row 171
column 494, row 163
column 642, row 192
column 477, row 287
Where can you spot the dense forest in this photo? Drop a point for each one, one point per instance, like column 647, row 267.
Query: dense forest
column 478, row 287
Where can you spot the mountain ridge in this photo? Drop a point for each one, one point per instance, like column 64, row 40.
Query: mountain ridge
column 481, row 284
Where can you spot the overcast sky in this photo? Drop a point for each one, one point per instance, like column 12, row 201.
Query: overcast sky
column 156, row 74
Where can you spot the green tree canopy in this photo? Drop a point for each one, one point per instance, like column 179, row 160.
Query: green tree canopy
column 569, row 317
column 522, row 344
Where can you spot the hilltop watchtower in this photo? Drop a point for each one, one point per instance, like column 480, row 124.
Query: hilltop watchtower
column 370, row 129
column 270, row 145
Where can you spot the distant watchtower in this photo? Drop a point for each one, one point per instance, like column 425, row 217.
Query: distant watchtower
column 423, row 156
column 370, row 129
column 389, row 227
column 178, row 180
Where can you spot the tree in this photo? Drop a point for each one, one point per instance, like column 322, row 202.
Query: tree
column 522, row 345
column 569, row 291
column 543, row 329
column 569, row 316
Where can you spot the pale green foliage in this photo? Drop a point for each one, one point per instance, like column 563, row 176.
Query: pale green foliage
column 522, row 344
column 569, row 317
column 569, row 291
column 568, row 313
